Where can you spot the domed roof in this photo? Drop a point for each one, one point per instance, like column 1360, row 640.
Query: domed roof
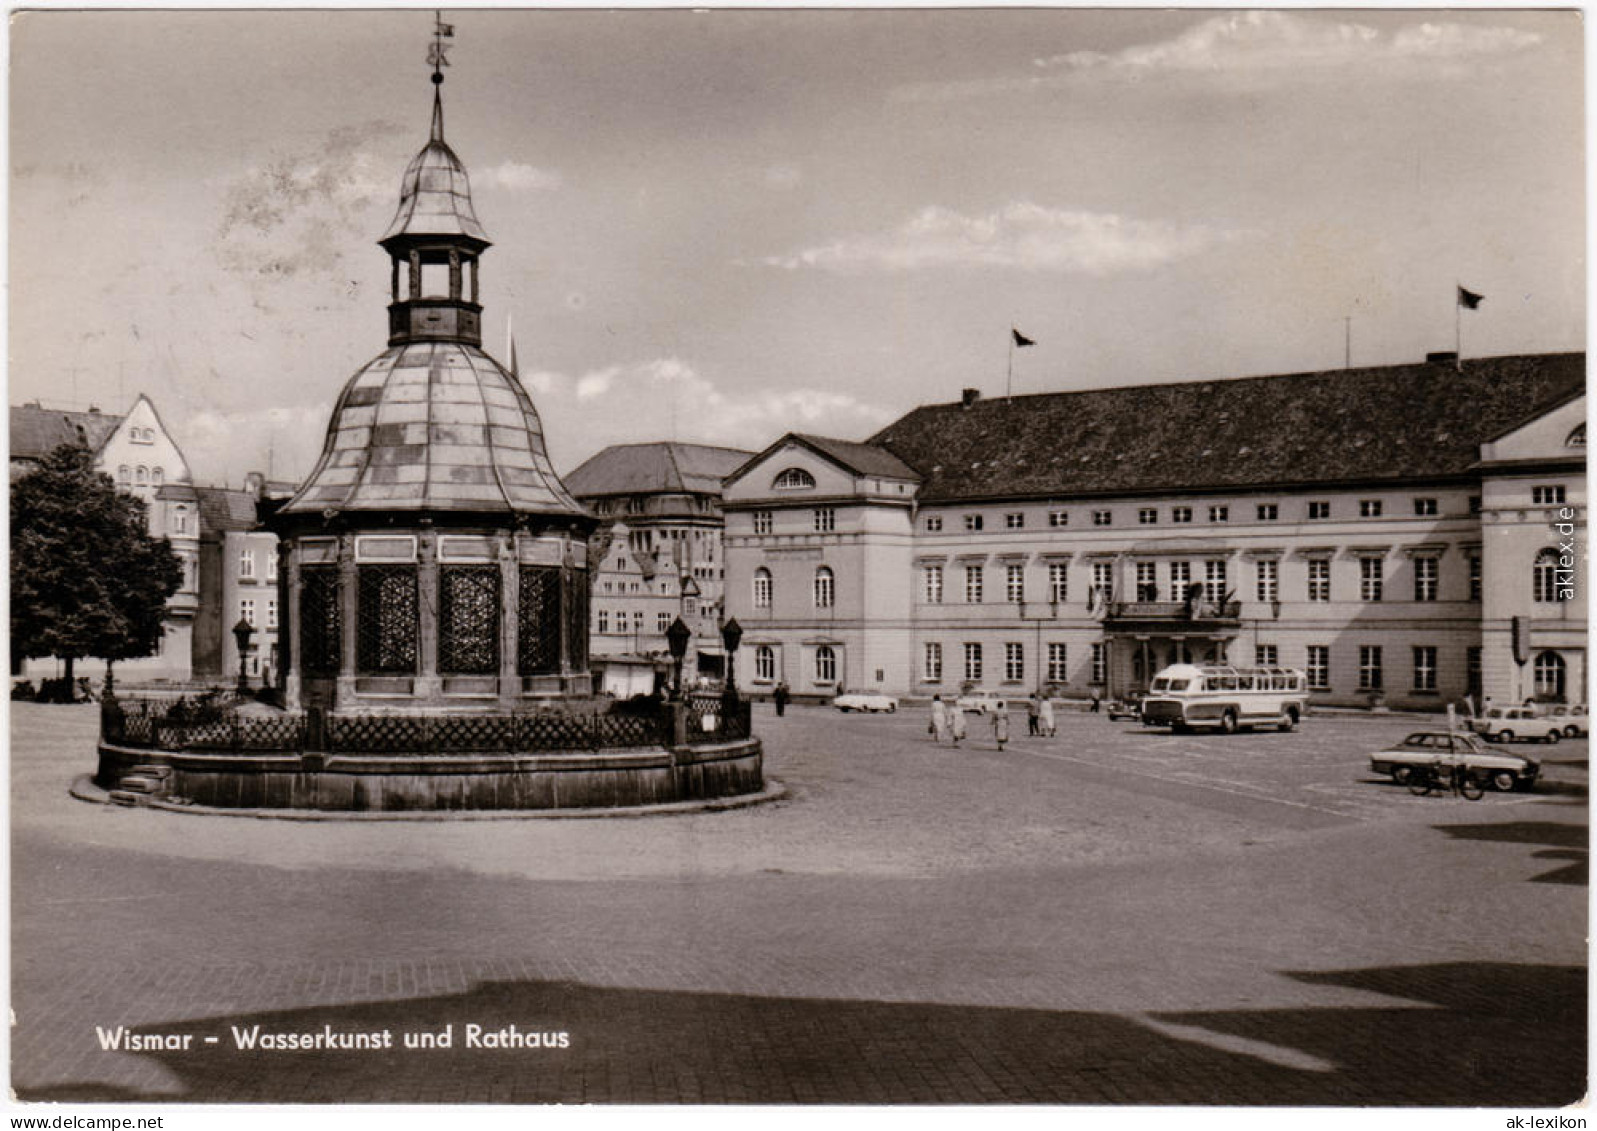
column 434, row 426
column 435, row 194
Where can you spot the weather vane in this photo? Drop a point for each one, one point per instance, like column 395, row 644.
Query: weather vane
column 435, row 53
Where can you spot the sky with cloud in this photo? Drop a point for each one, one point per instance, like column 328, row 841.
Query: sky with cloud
column 724, row 225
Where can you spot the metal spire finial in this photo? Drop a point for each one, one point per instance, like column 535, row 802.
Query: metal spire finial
column 439, row 60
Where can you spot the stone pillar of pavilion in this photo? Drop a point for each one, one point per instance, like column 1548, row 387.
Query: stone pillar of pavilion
column 438, row 563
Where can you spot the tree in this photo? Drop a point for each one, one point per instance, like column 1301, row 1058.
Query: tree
column 86, row 577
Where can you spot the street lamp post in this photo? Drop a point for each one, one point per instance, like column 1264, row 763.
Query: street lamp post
column 242, row 631
column 677, row 637
column 731, row 636
column 1053, row 614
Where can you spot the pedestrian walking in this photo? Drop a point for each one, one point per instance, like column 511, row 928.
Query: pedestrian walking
column 1096, row 703
column 780, row 696
column 956, row 718
column 1045, row 715
column 1001, row 725
column 1034, row 714
column 939, row 724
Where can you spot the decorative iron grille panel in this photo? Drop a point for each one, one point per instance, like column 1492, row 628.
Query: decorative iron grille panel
column 538, row 621
column 708, row 722
column 387, row 624
column 577, row 618
column 468, row 620
column 320, row 625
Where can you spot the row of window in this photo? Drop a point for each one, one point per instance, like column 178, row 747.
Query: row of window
column 604, row 620
column 1314, row 510
column 1549, row 582
column 140, row 476
column 1549, row 666
column 823, row 520
column 825, row 661
column 246, row 563
column 246, row 609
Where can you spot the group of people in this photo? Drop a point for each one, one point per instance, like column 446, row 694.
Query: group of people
column 948, row 720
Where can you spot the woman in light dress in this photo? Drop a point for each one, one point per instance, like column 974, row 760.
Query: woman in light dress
column 939, row 720
column 1045, row 714
column 957, row 719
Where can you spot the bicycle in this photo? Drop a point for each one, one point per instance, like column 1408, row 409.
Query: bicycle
column 1460, row 780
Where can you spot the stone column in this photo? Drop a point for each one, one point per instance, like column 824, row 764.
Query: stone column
column 509, row 621
column 474, row 278
column 349, row 626
column 454, row 274
column 289, row 659
column 428, row 684
column 415, row 274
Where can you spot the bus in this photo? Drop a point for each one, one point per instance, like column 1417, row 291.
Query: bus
column 1189, row 697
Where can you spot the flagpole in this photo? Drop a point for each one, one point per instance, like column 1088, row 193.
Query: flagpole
column 1458, row 328
column 1009, row 371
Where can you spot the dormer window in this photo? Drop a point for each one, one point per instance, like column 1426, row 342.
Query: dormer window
column 793, row 479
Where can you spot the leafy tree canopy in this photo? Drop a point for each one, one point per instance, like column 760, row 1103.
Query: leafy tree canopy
column 86, row 577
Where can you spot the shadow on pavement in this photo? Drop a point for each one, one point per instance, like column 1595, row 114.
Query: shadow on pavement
column 1488, row 1034
column 1564, row 842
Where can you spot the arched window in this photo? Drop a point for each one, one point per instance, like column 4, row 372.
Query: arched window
column 1577, row 438
column 793, row 479
column 1550, row 677
column 825, row 664
column 124, row 475
column 765, row 663
column 180, row 520
column 141, row 476
column 824, row 589
column 157, row 476
column 1545, row 578
column 762, row 588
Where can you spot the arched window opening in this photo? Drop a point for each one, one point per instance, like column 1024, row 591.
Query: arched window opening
column 765, row 663
column 825, row 664
column 1546, row 576
column 1550, row 672
column 762, row 588
column 1576, row 438
column 141, row 476
column 824, row 588
column 793, row 479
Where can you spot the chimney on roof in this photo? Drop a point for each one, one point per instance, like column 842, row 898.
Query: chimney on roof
column 255, row 484
column 968, row 397
column 1442, row 357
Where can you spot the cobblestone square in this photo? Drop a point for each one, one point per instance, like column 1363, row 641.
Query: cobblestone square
column 1110, row 916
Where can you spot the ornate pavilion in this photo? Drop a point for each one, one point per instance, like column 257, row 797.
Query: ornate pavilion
column 433, row 559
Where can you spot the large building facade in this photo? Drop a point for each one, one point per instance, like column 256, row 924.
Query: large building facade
column 1405, row 535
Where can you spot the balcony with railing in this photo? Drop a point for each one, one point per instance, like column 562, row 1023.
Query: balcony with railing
column 1197, row 615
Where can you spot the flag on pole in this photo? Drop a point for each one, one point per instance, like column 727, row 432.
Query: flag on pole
column 1021, row 339
column 1469, row 300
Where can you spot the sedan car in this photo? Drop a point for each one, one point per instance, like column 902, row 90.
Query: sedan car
column 1438, row 748
column 1505, row 724
column 985, row 702
column 1130, row 707
column 1573, row 721
column 864, row 701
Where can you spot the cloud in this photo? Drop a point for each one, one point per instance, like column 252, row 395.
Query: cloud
column 1020, row 235
column 653, row 399
column 517, row 177
column 228, row 443
column 290, row 217
column 1255, row 48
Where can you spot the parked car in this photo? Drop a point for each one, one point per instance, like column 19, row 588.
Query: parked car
column 1128, row 706
column 1438, row 748
column 1505, row 724
column 986, row 702
column 1571, row 720
column 864, row 701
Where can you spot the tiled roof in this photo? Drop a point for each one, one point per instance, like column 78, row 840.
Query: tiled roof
column 1391, row 422
column 662, row 467
column 35, row 430
column 865, row 459
column 434, row 426
column 223, row 508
